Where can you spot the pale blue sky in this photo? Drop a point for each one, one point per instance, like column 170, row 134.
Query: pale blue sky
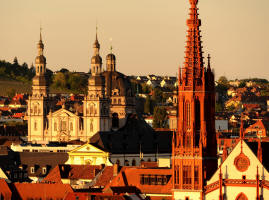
column 148, row 35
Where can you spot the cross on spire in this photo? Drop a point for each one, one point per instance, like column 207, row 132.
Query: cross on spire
column 40, row 32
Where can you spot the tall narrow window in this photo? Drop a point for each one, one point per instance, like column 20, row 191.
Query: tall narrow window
column 35, row 126
column 35, row 109
column 71, row 126
column 63, row 126
column 186, row 176
column 196, row 175
column 187, row 113
column 197, row 115
column 55, row 126
column 91, row 127
column 115, row 120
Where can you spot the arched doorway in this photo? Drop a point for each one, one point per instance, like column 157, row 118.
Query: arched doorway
column 115, row 120
column 241, row 196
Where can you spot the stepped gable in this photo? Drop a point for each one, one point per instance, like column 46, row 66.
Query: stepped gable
column 135, row 135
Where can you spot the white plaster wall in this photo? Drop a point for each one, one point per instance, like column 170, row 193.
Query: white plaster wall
column 181, row 195
column 231, row 192
column 230, row 171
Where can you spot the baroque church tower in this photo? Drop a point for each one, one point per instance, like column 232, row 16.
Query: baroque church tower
column 96, row 104
column 194, row 143
column 38, row 101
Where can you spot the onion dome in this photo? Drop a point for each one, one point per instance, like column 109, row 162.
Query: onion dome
column 40, row 59
column 96, row 59
column 111, row 57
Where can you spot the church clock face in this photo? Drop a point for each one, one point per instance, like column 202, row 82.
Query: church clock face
column 241, row 162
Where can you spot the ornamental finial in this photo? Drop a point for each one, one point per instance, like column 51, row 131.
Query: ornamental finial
column 193, row 2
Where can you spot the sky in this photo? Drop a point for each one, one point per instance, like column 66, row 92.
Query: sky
column 148, row 36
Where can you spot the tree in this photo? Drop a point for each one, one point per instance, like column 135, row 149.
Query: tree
column 145, row 88
column 15, row 61
column 64, row 70
column 157, row 95
column 59, row 80
column 242, row 84
column 160, row 117
column 218, row 107
column 148, row 105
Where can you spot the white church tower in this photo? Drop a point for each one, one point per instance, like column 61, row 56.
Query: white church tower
column 38, row 101
column 96, row 104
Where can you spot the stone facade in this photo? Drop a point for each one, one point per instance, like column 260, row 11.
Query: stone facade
column 106, row 106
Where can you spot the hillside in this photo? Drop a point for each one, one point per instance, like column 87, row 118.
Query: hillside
column 7, row 87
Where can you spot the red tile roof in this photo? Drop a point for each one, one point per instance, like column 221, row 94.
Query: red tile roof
column 96, row 196
column 105, row 177
column 130, row 176
column 72, row 172
column 42, row 190
column 4, row 190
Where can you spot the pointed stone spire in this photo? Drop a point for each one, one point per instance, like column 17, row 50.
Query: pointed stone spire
column 40, row 60
column 242, row 129
column 259, row 152
column 193, row 65
column 225, row 153
column 208, row 62
column 258, row 184
column 96, row 60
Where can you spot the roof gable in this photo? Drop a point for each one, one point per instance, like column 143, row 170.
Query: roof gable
column 87, row 148
column 63, row 113
column 230, row 171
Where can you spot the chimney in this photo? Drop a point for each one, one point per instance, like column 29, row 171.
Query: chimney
column 115, row 169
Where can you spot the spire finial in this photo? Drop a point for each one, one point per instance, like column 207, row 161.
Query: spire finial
column 40, row 31
column 96, row 30
column 193, row 2
column 111, row 47
column 208, row 59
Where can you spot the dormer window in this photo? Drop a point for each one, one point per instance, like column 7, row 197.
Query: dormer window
column 44, row 170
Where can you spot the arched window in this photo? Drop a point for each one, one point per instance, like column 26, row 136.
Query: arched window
column 35, row 109
column 35, row 126
column 197, row 121
column 55, row 126
column 187, row 114
column 133, row 162
column 126, row 163
column 118, row 162
column 197, row 115
column 119, row 101
column 91, row 127
column 115, row 120
column 71, row 126
column 91, row 109
column 241, row 196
